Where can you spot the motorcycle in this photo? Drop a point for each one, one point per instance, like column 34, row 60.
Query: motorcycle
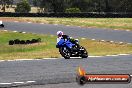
column 2, row 25
column 68, row 48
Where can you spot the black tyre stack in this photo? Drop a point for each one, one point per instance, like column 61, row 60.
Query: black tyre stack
column 17, row 41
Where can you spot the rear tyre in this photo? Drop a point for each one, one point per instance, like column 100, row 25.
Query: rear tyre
column 65, row 52
column 84, row 52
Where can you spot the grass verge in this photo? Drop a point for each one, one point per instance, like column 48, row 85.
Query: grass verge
column 112, row 23
column 47, row 47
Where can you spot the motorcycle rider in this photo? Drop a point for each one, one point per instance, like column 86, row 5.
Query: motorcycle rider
column 60, row 35
column 1, row 24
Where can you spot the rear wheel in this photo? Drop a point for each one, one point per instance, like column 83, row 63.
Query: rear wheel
column 65, row 52
column 84, row 52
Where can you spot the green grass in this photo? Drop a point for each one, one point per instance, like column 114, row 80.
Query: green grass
column 48, row 42
column 109, row 23
column 47, row 47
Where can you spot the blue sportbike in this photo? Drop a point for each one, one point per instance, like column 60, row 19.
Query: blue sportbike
column 71, row 48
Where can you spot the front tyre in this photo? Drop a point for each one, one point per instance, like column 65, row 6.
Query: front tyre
column 65, row 52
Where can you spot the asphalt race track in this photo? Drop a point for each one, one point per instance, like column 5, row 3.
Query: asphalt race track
column 61, row 73
column 61, row 70
column 91, row 33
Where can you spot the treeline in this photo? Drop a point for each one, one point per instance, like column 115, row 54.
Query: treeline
column 79, row 5
column 85, row 5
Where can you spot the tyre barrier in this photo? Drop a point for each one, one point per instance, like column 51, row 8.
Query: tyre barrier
column 79, row 15
column 17, row 41
column 11, row 42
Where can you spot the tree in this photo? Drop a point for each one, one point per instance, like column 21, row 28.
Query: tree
column 35, row 3
column 23, row 7
column 84, row 5
column 73, row 10
column 53, row 5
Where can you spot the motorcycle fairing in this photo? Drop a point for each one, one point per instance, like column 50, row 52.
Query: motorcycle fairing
column 65, row 42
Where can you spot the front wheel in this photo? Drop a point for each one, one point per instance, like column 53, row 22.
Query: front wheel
column 65, row 52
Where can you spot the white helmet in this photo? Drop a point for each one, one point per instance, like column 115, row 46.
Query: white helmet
column 59, row 33
column 0, row 22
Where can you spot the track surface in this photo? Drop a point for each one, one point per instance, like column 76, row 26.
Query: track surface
column 61, row 73
column 92, row 33
column 61, row 70
column 75, row 85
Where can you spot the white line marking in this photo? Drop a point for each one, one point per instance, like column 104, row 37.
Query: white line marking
column 116, row 29
column 102, row 40
column 30, row 81
column 128, row 43
column 61, row 57
column 5, row 30
column 15, row 31
column 9, row 60
column 123, row 54
column 48, row 58
column 23, row 59
column 127, row 30
column 18, row 82
column 23, row 32
column 83, row 38
column 112, row 55
column 2, row 60
column 55, row 24
column 5, row 83
column 111, row 41
column 121, row 42
column 95, row 56
column 16, row 21
column 67, row 25
column 78, row 26
column 93, row 39
column 41, row 23
column 29, row 59
column 29, row 22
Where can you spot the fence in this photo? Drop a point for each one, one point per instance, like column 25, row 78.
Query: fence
column 80, row 15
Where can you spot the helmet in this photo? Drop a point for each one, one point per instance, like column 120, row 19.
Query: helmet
column 59, row 33
column 0, row 22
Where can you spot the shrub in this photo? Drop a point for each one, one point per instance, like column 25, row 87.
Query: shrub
column 72, row 10
column 23, row 7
